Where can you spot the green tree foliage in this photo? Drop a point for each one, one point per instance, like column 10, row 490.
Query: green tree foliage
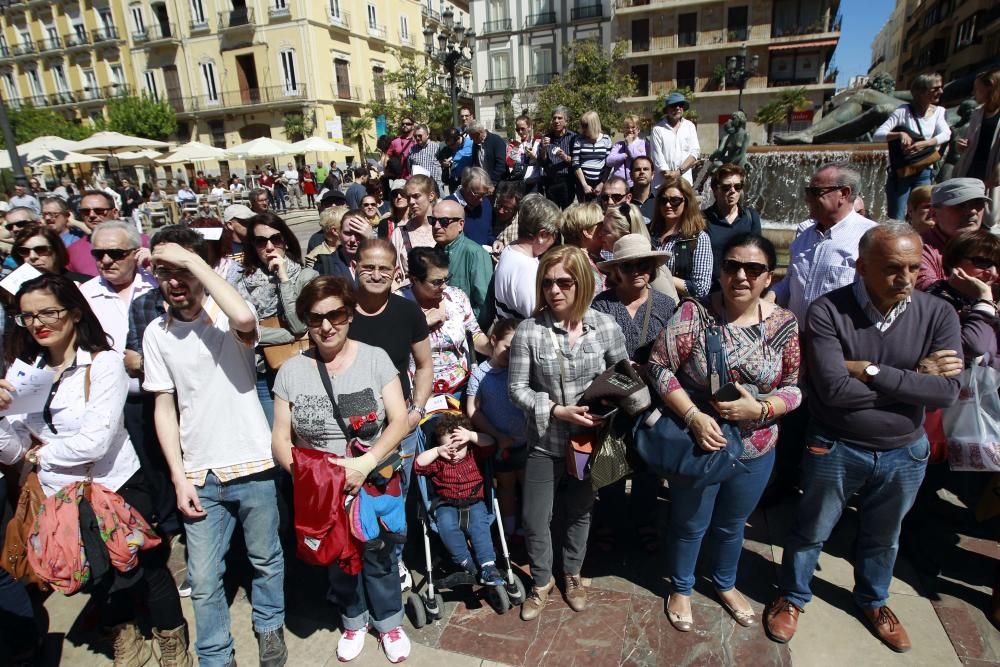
column 413, row 90
column 297, row 127
column 30, row 122
column 781, row 109
column 593, row 81
column 140, row 117
column 357, row 130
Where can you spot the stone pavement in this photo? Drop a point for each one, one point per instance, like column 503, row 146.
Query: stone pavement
column 626, row 624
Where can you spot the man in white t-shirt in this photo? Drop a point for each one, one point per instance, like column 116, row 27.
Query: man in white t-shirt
column 291, row 176
column 200, row 355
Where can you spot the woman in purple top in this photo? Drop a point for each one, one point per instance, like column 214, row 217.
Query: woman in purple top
column 624, row 151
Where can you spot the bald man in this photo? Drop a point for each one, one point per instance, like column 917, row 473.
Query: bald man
column 469, row 265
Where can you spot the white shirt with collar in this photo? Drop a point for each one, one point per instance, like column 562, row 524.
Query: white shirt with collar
column 670, row 146
column 83, row 438
column 291, row 175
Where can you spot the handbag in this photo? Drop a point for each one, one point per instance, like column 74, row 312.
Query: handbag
column 972, row 423
column 275, row 355
column 581, row 445
column 611, row 460
column 19, row 529
column 905, row 164
column 665, row 444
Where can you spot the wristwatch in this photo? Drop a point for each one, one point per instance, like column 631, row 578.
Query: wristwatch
column 421, row 411
column 871, row 370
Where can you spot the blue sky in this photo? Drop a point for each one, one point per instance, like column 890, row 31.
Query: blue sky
column 862, row 21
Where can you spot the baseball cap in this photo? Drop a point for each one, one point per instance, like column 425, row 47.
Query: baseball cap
column 238, row 211
column 957, row 191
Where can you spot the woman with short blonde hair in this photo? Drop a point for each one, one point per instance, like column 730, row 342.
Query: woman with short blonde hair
column 329, row 221
column 590, row 153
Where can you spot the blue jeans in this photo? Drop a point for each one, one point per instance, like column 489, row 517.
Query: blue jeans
column 721, row 510
column 453, row 532
column 897, row 191
column 252, row 500
column 372, row 597
column 265, row 398
column 408, row 448
column 832, row 472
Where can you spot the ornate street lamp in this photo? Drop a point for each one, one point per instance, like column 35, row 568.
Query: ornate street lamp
column 453, row 42
column 739, row 70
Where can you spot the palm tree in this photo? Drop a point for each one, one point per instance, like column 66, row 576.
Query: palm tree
column 782, row 108
column 357, row 129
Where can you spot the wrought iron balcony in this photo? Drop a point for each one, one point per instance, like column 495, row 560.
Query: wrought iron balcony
column 76, row 40
column 49, row 44
column 430, row 14
column 340, row 20
column 24, row 50
column 236, row 19
column 587, row 12
column 500, row 84
column 538, row 20
column 535, row 80
column 273, row 96
column 276, row 12
column 376, row 31
column 157, row 34
column 500, row 25
column 105, row 34
column 346, row 93
column 198, row 26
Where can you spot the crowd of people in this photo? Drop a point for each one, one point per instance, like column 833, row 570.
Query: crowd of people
column 219, row 370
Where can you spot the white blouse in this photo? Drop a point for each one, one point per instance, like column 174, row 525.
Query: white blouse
column 85, row 438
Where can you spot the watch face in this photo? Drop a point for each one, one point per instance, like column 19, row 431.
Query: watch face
column 871, row 370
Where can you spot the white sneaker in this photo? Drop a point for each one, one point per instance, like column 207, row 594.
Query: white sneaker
column 405, row 580
column 396, row 644
column 350, row 644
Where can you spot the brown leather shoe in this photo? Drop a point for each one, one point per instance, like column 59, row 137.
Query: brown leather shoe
column 888, row 628
column 532, row 607
column 576, row 594
column 781, row 618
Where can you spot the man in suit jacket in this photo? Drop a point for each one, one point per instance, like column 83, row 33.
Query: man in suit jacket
column 489, row 151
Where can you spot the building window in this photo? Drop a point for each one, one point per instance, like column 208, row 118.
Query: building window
column 342, row 72
column 208, row 74
column 151, row 90
column 641, row 75
column 34, row 83
column 737, row 24
column 640, row 35
column 335, row 9
column 542, row 62
column 10, row 89
column 404, row 29
column 59, row 74
column 25, row 39
column 966, row 32
column 497, row 10
column 685, row 74
column 377, row 73
column 372, row 18
column 687, row 29
column 499, row 71
column 197, row 12
column 90, row 87
column 288, row 80
column 280, row 4
column 118, row 76
column 217, row 128
column 107, row 21
column 138, row 21
column 4, row 51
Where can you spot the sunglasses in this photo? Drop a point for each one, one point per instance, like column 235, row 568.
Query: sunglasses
column 94, row 211
column 730, row 186
column 675, row 202
column 277, row 240
column 368, row 204
column 562, row 283
column 47, row 316
column 438, row 282
column 12, row 226
column 819, row 191
column 753, row 270
column 40, row 250
column 444, row 222
column 116, row 254
column 610, row 198
column 983, row 263
column 636, row 266
column 163, row 274
column 334, row 317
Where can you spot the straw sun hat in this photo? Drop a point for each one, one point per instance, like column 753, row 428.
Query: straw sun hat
column 632, row 247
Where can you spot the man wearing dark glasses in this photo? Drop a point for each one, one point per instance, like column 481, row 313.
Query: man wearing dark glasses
column 95, row 207
column 469, row 265
column 728, row 216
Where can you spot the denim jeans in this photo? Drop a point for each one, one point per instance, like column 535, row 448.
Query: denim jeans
column 886, row 483
column 371, row 598
column 253, row 501
column 265, row 398
column 453, row 533
column 721, row 510
column 897, row 191
column 408, row 448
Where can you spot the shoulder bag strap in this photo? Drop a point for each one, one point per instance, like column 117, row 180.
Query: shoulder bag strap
column 715, row 352
column 645, row 318
column 328, row 386
column 562, row 363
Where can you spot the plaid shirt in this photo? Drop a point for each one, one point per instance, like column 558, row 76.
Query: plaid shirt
column 535, row 372
column 425, row 157
column 460, row 480
column 144, row 311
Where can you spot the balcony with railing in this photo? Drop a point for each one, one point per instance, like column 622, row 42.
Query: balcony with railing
column 499, row 25
column 687, row 39
column 430, row 14
column 540, row 20
column 157, row 34
column 537, row 80
column 502, row 83
column 199, row 25
column 340, row 20
column 103, row 35
column 25, row 50
column 76, row 40
column 267, row 96
column 276, row 12
column 49, row 44
column 62, row 98
column 376, row 31
column 405, row 40
column 35, row 101
column 236, row 19
column 587, row 12
column 740, row 34
column 346, row 93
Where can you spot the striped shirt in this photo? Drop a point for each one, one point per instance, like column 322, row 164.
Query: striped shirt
column 698, row 277
column 590, row 156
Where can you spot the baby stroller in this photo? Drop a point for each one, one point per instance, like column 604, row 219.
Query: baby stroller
column 423, row 603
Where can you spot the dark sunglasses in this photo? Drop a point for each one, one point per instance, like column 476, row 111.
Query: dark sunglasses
column 116, row 254
column 983, row 263
column 614, row 199
column 334, row 317
column 819, row 191
column 94, row 211
column 438, row 282
column 730, row 186
column 368, row 204
column 675, row 202
column 753, row 270
column 444, row 222
column 40, row 250
column 277, row 240
column 636, row 266
column 563, row 283
column 11, row 226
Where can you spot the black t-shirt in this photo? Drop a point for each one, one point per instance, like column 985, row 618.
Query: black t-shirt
column 400, row 324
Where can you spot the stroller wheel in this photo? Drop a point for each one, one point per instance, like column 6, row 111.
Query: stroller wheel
column 516, row 592
column 496, row 597
column 415, row 610
column 437, row 611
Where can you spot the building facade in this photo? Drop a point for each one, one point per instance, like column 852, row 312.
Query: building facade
column 887, row 44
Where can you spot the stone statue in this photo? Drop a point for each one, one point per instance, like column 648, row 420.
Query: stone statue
column 959, row 129
column 858, row 116
column 733, row 144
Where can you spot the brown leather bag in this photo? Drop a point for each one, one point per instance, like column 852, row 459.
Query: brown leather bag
column 15, row 541
column 275, row 355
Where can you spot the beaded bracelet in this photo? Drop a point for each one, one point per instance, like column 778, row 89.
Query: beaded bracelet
column 689, row 416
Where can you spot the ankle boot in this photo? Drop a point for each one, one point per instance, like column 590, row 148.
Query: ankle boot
column 173, row 647
column 131, row 648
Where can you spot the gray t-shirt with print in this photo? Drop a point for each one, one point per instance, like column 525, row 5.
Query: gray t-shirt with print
column 358, row 390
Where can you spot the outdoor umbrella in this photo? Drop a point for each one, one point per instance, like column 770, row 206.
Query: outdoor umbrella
column 109, row 142
column 194, row 151
column 48, row 143
column 139, row 157
column 261, row 148
column 320, row 145
column 38, row 158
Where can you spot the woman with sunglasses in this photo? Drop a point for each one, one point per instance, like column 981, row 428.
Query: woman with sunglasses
column 80, row 434
column 761, row 343
column 399, row 210
column 271, row 281
column 679, row 228
column 449, row 318
column 43, row 248
column 554, row 357
column 627, row 219
column 365, row 386
column 728, row 216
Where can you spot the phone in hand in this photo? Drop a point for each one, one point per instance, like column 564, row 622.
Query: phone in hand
column 728, row 392
column 602, row 411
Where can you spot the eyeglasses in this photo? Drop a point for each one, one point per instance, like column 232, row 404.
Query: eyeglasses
column 819, row 191
column 613, row 198
column 983, row 263
column 40, row 250
column 277, row 240
column 52, row 214
column 444, row 222
column 438, row 282
column 730, row 186
column 12, row 226
column 94, row 211
column 47, row 316
column 116, row 254
column 405, row 124
column 399, row 195
column 163, row 274
column 675, row 202
column 753, row 270
column 480, row 195
column 334, row 317
column 636, row 266
column 562, row 283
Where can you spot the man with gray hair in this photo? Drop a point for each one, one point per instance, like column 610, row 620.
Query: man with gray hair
column 879, row 355
column 489, row 151
column 96, row 207
column 959, row 206
column 474, row 196
column 556, row 158
column 423, row 155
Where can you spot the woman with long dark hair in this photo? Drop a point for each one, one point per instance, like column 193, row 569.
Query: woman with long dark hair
column 679, row 228
column 42, row 247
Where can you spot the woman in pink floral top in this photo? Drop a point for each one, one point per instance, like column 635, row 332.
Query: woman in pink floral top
column 449, row 318
column 761, row 342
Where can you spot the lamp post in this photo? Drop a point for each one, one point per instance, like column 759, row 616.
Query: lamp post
column 453, row 41
column 739, row 70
